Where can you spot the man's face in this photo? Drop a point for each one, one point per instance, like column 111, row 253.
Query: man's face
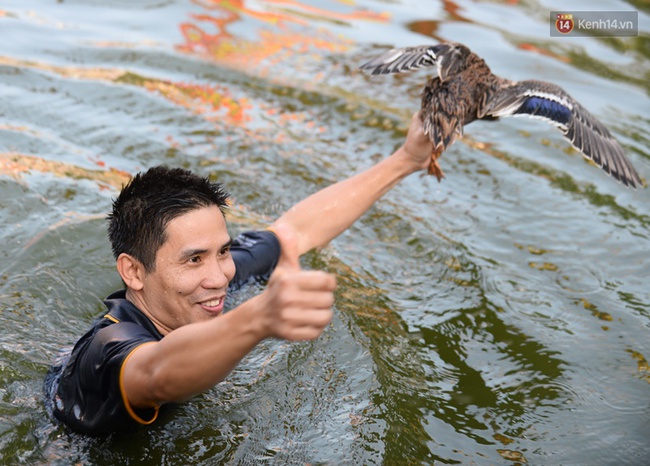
column 193, row 269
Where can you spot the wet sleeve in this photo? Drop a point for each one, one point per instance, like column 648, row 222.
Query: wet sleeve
column 89, row 397
column 255, row 254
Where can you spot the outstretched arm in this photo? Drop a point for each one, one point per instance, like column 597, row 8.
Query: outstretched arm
column 326, row 214
column 296, row 305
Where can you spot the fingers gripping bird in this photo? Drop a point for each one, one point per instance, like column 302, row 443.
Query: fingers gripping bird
column 465, row 90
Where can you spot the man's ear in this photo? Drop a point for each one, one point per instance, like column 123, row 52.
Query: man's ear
column 131, row 270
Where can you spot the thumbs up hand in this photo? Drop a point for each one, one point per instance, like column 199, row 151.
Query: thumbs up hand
column 297, row 304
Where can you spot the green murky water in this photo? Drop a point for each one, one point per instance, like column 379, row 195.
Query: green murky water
column 499, row 317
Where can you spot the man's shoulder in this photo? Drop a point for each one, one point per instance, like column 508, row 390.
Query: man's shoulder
column 255, row 254
column 122, row 323
column 249, row 239
column 80, row 387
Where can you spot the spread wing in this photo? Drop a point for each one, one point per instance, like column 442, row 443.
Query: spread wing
column 445, row 57
column 542, row 100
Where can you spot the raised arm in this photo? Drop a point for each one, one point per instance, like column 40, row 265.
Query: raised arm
column 296, row 305
column 326, row 214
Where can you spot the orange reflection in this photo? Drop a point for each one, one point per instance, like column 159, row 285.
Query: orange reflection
column 454, row 10
column 289, row 11
column 215, row 102
column 642, row 364
column 16, row 165
column 212, row 101
column 542, row 51
column 285, row 42
column 222, row 46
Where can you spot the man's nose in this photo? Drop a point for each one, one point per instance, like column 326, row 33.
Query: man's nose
column 216, row 275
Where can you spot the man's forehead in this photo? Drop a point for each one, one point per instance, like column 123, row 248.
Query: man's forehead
column 206, row 222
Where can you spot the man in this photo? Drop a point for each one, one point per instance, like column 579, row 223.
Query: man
column 164, row 337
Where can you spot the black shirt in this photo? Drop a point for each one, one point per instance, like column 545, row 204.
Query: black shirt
column 84, row 388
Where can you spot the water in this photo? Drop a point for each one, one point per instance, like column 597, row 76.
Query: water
column 499, row 317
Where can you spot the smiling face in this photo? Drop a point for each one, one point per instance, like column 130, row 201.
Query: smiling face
column 192, row 270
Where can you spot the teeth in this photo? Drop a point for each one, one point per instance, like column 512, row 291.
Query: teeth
column 212, row 303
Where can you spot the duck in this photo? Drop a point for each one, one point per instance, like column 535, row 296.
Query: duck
column 464, row 89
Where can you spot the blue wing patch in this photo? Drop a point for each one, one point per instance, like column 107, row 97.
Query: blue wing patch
column 545, row 108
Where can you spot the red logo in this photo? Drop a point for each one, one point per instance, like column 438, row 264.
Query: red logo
column 564, row 23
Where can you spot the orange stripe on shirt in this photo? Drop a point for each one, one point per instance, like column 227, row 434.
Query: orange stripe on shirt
column 125, row 400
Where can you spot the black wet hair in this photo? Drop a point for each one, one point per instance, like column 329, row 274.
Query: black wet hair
column 149, row 201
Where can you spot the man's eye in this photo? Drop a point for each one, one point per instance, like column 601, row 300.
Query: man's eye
column 224, row 251
column 195, row 259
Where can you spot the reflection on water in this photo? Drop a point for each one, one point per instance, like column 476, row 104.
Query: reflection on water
column 498, row 317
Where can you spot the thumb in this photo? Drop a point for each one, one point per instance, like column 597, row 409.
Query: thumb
column 289, row 255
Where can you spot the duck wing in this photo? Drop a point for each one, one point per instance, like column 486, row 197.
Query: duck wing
column 548, row 102
column 446, row 57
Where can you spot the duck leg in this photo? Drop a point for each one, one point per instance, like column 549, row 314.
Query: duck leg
column 434, row 166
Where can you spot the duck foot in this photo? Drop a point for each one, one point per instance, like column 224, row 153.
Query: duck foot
column 434, row 167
